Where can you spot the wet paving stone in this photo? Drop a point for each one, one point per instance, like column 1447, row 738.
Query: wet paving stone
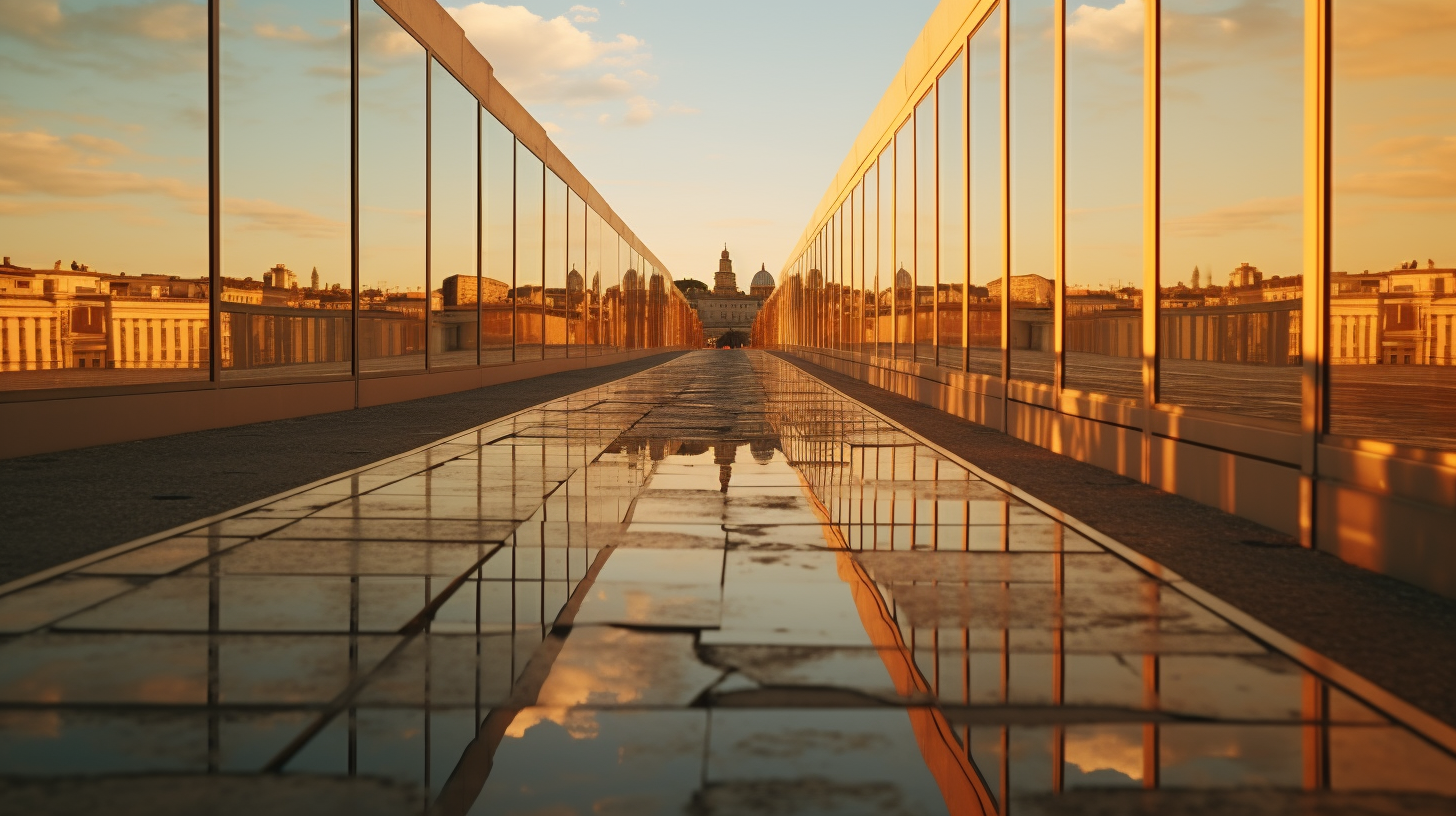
column 713, row 587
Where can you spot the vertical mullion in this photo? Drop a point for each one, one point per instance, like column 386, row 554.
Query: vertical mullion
column 1059, row 194
column 429, row 195
column 354, row 193
column 479, row 235
column 1005, row 218
column 1152, row 220
column 966, row 204
column 214, row 191
column 1314, row 350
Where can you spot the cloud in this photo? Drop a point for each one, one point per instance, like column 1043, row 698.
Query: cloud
column 260, row 215
column 162, row 36
column 1254, row 215
column 293, row 33
column 552, row 61
column 1117, row 29
column 640, row 111
column 551, row 128
column 1254, row 32
column 1372, row 41
column 1419, row 167
column 38, row 163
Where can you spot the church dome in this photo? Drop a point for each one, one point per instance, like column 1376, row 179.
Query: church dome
column 762, row 278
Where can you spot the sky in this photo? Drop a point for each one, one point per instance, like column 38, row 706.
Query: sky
column 705, row 124
column 702, row 123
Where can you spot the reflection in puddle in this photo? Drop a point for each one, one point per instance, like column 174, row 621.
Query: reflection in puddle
column 713, row 587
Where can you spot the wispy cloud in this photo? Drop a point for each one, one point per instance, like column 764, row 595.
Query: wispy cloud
column 39, row 163
column 261, row 215
column 1254, row 215
column 584, row 14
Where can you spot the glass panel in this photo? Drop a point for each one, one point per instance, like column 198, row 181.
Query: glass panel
column 1392, row 317
column 1102, row 336
column 848, row 264
column 633, row 299
column 859, row 243
column 497, row 239
column 611, row 289
column 1032, row 187
column 105, row 278
column 950, row 286
column 575, row 279
column 987, row 217
column 392, row 75
column 287, row 296
column 592, row 296
column 904, row 257
column 886, row 272
column 554, row 295
column 530, row 215
column 1232, row 169
column 454, row 124
column 925, row 243
column 657, row 303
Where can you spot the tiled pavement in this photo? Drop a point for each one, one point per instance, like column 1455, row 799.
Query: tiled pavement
column 712, row 587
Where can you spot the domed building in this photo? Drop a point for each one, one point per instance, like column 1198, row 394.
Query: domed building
column 725, row 307
column 763, row 283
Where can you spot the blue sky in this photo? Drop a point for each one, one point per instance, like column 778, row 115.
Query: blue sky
column 703, row 123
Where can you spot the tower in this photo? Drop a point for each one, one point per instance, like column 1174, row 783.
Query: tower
column 725, row 282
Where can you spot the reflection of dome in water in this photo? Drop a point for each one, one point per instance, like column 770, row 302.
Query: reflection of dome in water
column 762, row 450
column 902, row 280
column 762, row 278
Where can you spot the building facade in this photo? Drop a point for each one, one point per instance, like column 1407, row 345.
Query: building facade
column 725, row 307
column 1306, row 395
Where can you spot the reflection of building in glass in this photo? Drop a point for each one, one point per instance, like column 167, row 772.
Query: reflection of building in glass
column 1404, row 316
column 59, row 319
column 725, row 307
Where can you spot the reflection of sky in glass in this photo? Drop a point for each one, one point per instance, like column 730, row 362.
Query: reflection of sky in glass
column 950, row 96
column 986, row 211
column 103, row 136
column 497, row 181
column 392, row 70
column 453, row 112
column 1032, row 104
column 529, row 212
column 285, row 133
column 1232, row 137
column 1394, row 134
column 555, row 232
column 1104, row 144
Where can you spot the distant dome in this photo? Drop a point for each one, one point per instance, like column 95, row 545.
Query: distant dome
column 762, row 278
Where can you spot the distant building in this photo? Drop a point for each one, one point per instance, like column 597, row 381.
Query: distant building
column 724, row 307
column 1024, row 289
column 462, row 290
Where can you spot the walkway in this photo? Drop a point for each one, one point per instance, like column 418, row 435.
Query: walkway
column 716, row 586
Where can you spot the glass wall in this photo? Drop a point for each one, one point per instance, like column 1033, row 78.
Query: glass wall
column 103, row 203
column 393, row 72
column 887, row 272
column 904, row 241
column 925, row 223
column 287, row 291
column 530, row 245
column 554, row 260
column 987, row 216
column 454, row 196
column 575, row 279
column 1231, row 281
column 108, row 278
column 1102, row 310
column 1392, row 314
column 950, row 287
column 1033, row 221
column 497, row 240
